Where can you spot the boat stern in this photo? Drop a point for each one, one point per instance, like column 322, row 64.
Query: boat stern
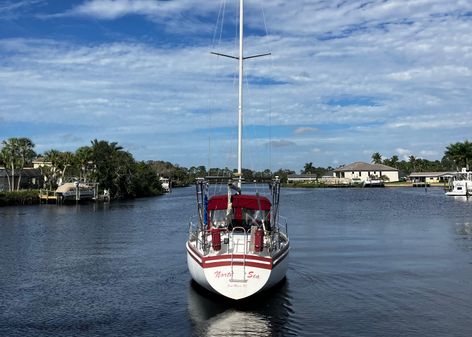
column 235, row 279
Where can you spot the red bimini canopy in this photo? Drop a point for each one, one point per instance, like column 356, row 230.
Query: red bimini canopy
column 239, row 201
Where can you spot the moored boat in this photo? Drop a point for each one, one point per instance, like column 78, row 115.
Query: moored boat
column 166, row 184
column 76, row 191
column 239, row 245
column 373, row 182
column 461, row 184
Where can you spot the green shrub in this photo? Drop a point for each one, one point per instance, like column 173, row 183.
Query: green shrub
column 23, row 197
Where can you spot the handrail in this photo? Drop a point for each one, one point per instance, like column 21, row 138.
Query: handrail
column 275, row 237
column 284, row 219
column 244, row 253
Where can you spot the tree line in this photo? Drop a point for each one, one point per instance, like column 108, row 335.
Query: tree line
column 116, row 170
column 105, row 163
column 183, row 176
column 456, row 156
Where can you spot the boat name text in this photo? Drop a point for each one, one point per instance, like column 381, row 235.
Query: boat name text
column 220, row 274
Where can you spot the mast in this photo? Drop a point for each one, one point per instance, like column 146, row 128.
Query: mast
column 240, row 104
column 241, row 59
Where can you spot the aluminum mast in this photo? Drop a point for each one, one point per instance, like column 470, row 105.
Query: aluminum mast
column 241, row 59
column 240, row 105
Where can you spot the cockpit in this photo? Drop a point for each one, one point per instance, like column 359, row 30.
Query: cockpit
column 241, row 211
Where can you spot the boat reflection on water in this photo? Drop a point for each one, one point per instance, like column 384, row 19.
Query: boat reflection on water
column 266, row 314
column 464, row 230
column 462, row 198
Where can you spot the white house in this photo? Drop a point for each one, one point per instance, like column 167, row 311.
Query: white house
column 430, row 177
column 360, row 171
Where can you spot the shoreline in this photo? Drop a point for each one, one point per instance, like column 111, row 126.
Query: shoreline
column 386, row 185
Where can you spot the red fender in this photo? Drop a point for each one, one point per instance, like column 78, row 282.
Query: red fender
column 259, row 240
column 216, row 239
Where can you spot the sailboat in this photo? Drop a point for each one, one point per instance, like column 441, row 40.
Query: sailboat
column 239, row 245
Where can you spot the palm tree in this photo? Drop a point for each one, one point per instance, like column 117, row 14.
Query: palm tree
column 10, row 157
column 26, row 155
column 394, row 161
column 5, row 159
column 52, row 156
column 308, row 168
column 460, row 153
column 111, row 166
column 376, row 158
column 83, row 157
column 66, row 159
column 412, row 160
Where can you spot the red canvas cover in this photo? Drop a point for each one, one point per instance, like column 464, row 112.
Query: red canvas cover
column 239, row 201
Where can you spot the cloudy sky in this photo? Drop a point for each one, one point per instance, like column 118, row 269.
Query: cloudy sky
column 345, row 78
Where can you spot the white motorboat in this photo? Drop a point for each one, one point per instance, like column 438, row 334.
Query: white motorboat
column 76, row 191
column 166, row 184
column 461, row 184
column 373, row 182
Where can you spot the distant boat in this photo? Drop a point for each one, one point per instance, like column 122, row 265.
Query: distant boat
column 166, row 184
column 461, row 184
column 373, row 182
column 75, row 191
column 240, row 245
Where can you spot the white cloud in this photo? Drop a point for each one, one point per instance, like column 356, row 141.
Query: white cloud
column 281, row 143
column 412, row 59
column 429, row 153
column 113, row 9
column 403, row 153
column 154, row 10
column 10, row 10
column 303, row 130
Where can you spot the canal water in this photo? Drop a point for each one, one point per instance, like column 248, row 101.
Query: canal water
column 363, row 262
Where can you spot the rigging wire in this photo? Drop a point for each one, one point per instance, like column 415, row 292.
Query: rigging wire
column 226, row 140
column 219, row 23
column 267, row 93
column 216, row 43
column 270, row 96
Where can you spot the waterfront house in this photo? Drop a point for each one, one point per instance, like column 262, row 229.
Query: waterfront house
column 41, row 162
column 430, row 177
column 3, row 180
column 360, row 172
column 30, row 179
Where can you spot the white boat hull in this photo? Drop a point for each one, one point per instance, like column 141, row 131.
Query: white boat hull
column 456, row 193
column 237, row 276
column 82, row 195
column 461, row 188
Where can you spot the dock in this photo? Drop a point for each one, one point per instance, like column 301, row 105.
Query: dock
column 75, row 195
column 420, row 184
column 46, row 196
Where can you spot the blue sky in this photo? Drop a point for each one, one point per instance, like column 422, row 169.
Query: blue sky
column 345, row 78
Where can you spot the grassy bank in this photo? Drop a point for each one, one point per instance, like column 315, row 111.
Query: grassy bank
column 410, row 184
column 387, row 184
column 25, row 197
column 313, row 184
